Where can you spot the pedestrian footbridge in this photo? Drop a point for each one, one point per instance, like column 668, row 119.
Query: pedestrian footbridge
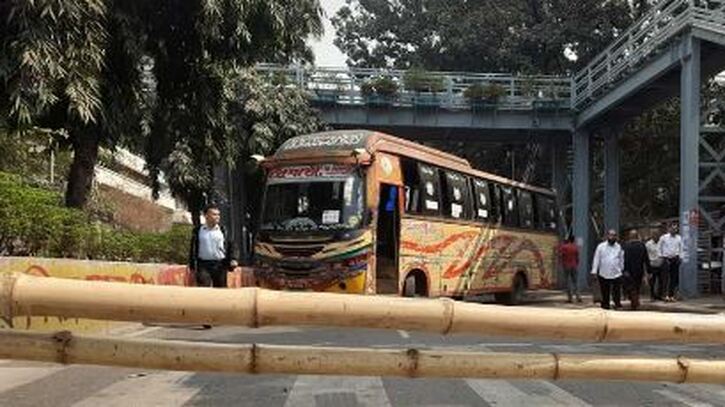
column 669, row 52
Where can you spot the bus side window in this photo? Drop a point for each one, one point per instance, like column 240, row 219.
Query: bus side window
column 496, row 206
column 510, row 212
column 456, row 202
column 412, row 186
column 430, row 190
column 482, row 200
column 526, row 209
column 547, row 213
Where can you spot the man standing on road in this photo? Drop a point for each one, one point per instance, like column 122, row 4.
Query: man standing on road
column 636, row 261
column 607, row 266
column 670, row 247
column 209, row 253
column 656, row 289
column 569, row 256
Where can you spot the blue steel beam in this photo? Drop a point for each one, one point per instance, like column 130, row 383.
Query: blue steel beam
column 659, row 66
column 581, row 191
column 363, row 116
column 611, row 180
column 689, row 156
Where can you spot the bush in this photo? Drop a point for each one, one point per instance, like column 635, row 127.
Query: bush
column 490, row 91
column 380, row 86
column 419, row 80
column 33, row 222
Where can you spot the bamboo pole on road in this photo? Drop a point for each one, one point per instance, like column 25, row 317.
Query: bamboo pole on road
column 23, row 295
column 63, row 347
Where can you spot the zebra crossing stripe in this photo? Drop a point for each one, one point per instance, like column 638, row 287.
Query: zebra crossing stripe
column 502, row 393
column 156, row 388
column 681, row 398
column 337, row 390
column 14, row 376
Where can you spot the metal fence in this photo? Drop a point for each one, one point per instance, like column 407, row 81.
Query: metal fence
column 630, row 51
column 649, row 36
column 345, row 86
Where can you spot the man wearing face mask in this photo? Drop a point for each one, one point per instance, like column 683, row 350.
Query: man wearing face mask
column 607, row 266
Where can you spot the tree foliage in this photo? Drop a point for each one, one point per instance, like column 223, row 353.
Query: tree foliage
column 110, row 71
column 260, row 115
column 481, row 36
column 199, row 52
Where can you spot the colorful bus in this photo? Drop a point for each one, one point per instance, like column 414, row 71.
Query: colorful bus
column 359, row 211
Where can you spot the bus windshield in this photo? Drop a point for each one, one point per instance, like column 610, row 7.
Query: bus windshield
column 313, row 204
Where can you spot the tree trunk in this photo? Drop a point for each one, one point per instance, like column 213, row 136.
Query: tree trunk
column 80, row 176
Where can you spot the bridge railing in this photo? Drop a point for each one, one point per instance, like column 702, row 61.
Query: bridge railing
column 345, row 86
column 644, row 39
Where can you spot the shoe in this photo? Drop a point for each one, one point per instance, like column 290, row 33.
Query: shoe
column 579, row 300
column 569, row 301
column 205, row 326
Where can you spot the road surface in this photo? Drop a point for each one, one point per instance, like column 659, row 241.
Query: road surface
column 39, row 384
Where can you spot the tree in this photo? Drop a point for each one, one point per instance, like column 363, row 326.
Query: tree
column 260, row 115
column 197, row 52
column 108, row 70
column 483, row 36
column 71, row 65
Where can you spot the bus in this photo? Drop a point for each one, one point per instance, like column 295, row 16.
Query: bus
column 360, row 211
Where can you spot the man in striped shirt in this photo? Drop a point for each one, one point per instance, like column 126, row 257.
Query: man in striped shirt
column 670, row 249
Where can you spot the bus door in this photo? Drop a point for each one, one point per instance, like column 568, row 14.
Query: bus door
column 387, row 239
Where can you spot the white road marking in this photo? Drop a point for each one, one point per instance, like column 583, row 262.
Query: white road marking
column 503, row 393
column 142, row 332
column 506, row 345
column 403, row 334
column 681, row 398
column 11, row 377
column 153, row 389
column 368, row 391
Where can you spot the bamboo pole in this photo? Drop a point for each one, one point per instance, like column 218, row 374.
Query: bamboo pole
column 65, row 348
column 22, row 295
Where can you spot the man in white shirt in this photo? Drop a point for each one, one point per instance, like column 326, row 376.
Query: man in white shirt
column 607, row 266
column 656, row 289
column 210, row 251
column 670, row 248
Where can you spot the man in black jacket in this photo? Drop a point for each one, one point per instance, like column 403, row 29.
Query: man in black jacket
column 210, row 251
column 636, row 262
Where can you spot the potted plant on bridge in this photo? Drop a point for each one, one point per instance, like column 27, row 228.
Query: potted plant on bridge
column 380, row 91
column 484, row 96
column 549, row 100
column 425, row 87
column 328, row 88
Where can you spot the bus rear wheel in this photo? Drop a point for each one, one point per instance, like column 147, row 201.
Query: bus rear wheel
column 516, row 296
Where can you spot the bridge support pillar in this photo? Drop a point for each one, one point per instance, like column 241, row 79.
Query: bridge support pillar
column 560, row 182
column 581, row 200
column 690, row 82
column 611, row 180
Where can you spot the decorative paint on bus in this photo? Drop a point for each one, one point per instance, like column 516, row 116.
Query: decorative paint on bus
column 474, row 259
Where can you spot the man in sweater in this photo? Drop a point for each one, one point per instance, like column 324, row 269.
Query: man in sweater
column 636, row 262
column 607, row 266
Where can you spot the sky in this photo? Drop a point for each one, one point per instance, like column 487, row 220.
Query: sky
column 327, row 54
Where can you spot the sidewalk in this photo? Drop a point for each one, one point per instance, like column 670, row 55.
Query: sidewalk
column 708, row 304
